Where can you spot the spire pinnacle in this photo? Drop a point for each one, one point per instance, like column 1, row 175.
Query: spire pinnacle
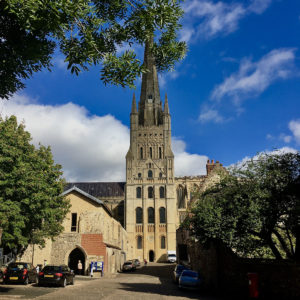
column 133, row 107
column 166, row 109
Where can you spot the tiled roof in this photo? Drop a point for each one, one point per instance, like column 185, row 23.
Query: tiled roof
column 100, row 189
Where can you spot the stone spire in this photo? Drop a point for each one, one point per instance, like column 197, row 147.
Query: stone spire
column 133, row 107
column 166, row 108
column 150, row 104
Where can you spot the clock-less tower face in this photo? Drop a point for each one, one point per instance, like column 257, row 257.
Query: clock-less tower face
column 150, row 198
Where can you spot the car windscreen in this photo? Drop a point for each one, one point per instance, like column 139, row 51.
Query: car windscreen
column 172, row 255
column 17, row 266
column 180, row 268
column 128, row 263
column 189, row 274
column 52, row 269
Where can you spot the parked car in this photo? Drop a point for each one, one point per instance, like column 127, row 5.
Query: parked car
column 190, row 280
column 56, row 274
column 177, row 272
column 128, row 266
column 136, row 262
column 21, row 272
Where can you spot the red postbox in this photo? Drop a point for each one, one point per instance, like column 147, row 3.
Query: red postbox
column 253, row 285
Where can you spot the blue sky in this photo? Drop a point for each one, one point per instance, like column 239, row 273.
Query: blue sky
column 235, row 94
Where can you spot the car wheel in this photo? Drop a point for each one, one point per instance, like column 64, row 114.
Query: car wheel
column 64, row 284
column 26, row 281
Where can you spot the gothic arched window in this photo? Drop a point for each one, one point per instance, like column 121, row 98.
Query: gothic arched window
column 150, row 174
column 139, row 242
column 139, row 175
column 162, row 215
column 163, row 242
column 141, row 153
column 150, row 152
column 139, row 215
column 159, row 152
column 161, row 192
column 139, row 192
column 181, row 197
column 150, row 192
column 150, row 215
column 160, row 175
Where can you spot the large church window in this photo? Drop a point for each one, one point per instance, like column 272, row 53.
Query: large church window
column 150, row 192
column 139, row 192
column 139, row 242
column 150, row 215
column 150, row 174
column 150, row 152
column 163, row 242
column 161, row 192
column 181, row 197
column 162, row 215
column 139, row 215
column 141, row 153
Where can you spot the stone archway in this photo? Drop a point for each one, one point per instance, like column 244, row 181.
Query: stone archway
column 76, row 255
column 151, row 256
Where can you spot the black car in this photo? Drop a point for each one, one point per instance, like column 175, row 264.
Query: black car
column 56, row 274
column 21, row 272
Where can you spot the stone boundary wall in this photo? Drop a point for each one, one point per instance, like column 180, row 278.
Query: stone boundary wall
column 226, row 274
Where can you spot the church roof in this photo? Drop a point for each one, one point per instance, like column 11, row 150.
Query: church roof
column 100, row 189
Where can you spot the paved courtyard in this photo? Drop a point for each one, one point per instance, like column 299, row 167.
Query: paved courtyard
column 151, row 282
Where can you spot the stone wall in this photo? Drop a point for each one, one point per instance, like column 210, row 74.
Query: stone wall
column 226, row 273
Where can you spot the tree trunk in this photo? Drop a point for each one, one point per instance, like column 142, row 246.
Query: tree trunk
column 273, row 248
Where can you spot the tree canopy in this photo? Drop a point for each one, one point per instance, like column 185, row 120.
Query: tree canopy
column 87, row 33
column 31, row 206
column 254, row 209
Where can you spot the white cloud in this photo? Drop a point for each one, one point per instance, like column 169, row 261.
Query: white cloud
column 208, row 18
column 187, row 164
column 89, row 147
column 277, row 151
column 285, row 138
column 294, row 126
column 209, row 115
column 254, row 77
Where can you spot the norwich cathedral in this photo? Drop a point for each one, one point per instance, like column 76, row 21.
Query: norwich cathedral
column 116, row 221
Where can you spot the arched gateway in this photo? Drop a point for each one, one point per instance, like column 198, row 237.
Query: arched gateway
column 151, row 255
column 74, row 257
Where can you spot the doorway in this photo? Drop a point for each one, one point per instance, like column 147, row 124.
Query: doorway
column 74, row 257
column 151, row 255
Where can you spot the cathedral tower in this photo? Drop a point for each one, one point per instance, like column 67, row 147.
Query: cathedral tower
column 150, row 207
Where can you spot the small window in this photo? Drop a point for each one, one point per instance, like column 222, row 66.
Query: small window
column 161, row 192
column 150, row 192
column 139, row 242
column 150, row 152
column 150, row 174
column 139, row 192
column 74, row 222
column 160, row 175
column 159, row 152
column 140, row 175
column 141, row 153
column 163, row 242
column 150, row 96
column 150, row 215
